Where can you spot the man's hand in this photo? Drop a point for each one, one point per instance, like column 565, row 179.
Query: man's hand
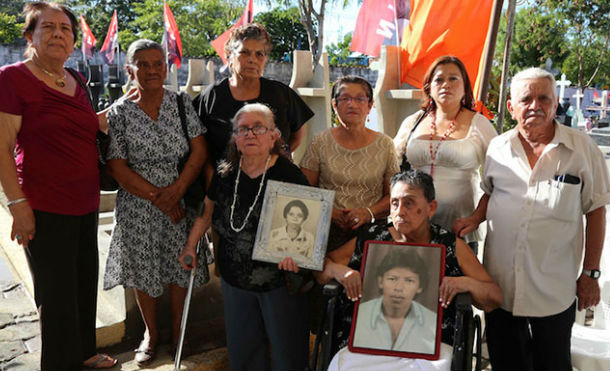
column 587, row 291
column 463, row 226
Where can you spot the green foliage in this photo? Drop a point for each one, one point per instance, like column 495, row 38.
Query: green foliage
column 10, row 30
column 338, row 53
column 285, row 29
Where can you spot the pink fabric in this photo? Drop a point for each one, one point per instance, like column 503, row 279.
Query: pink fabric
column 56, row 153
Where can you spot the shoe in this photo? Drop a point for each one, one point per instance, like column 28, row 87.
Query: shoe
column 100, row 361
column 144, row 354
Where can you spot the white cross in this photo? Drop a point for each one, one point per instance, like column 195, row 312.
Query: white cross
column 578, row 95
column 562, row 86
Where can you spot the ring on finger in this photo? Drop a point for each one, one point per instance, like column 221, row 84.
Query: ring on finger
column 356, row 220
column 17, row 237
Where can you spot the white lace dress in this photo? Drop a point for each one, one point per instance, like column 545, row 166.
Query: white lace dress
column 456, row 170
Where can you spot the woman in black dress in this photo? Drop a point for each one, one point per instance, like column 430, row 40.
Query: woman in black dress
column 263, row 316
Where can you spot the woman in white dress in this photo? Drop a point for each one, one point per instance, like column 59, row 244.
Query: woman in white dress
column 448, row 140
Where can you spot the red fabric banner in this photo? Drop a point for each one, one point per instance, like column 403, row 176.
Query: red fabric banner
column 375, row 24
column 171, row 37
column 219, row 43
column 111, row 42
column 88, row 38
column 440, row 27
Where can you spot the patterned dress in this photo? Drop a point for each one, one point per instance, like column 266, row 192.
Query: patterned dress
column 145, row 243
column 345, row 307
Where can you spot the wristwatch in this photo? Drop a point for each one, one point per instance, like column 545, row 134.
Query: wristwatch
column 593, row 273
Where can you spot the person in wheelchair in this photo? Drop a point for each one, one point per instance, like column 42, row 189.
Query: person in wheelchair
column 412, row 205
column 401, row 277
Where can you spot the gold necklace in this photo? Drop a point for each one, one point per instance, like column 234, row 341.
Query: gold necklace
column 60, row 81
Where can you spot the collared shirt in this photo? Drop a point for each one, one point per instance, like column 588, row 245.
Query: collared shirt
column 302, row 244
column 535, row 217
column 417, row 335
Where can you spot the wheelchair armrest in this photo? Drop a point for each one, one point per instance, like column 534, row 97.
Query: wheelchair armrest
column 332, row 288
column 463, row 302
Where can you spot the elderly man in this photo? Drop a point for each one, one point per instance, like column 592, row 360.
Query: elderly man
column 540, row 178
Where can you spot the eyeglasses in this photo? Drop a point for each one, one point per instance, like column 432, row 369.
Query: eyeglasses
column 359, row 100
column 242, row 131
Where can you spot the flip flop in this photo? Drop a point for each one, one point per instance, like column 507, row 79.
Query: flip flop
column 144, row 354
column 100, row 361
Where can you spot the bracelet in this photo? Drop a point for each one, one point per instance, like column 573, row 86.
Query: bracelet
column 15, row 202
column 372, row 215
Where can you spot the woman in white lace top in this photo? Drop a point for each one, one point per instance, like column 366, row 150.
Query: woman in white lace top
column 450, row 141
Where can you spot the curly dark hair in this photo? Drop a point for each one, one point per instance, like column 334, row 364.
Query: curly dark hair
column 296, row 203
column 416, row 178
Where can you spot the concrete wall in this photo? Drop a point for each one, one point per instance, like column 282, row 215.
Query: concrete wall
column 280, row 71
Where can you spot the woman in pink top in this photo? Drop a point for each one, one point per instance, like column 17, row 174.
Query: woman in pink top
column 52, row 185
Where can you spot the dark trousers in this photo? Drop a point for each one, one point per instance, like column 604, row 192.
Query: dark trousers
column 64, row 263
column 259, row 324
column 530, row 343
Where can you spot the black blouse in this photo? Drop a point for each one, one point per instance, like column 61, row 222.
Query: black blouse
column 235, row 249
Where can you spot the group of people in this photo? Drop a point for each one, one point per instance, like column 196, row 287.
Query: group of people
column 538, row 180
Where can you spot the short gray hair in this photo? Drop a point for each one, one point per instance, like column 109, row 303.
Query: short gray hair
column 259, row 108
column 141, row 44
column 531, row 74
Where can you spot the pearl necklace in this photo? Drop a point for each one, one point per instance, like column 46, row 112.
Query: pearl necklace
column 260, row 187
column 433, row 150
column 60, row 81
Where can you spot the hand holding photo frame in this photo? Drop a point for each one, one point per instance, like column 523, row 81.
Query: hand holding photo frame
column 399, row 313
column 295, row 221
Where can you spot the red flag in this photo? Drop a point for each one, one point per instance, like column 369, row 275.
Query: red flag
column 219, row 43
column 111, row 43
column 374, row 25
column 88, row 38
column 439, row 27
column 171, row 37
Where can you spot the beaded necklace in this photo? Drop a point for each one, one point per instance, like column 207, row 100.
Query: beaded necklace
column 260, row 187
column 433, row 149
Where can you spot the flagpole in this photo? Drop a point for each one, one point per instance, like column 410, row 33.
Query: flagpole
column 510, row 25
column 397, row 41
column 166, row 34
column 492, row 35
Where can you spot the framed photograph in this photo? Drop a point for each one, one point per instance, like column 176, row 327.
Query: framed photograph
column 399, row 313
column 295, row 221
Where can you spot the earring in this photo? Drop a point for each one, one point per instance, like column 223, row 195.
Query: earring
column 464, row 101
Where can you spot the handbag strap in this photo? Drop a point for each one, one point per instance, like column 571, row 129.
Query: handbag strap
column 405, row 165
column 80, row 82
column 182, row 114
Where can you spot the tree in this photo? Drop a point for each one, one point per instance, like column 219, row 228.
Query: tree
column 286, row 31
column 588, row 28
column 339, row 52
column 98, row 13
column 199, row 21
column 10, row 30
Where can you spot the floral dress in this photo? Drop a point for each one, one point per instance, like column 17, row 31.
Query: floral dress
column 145, row 243
column 345, row 307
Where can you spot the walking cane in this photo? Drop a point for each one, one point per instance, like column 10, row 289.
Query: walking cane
column 187, row 302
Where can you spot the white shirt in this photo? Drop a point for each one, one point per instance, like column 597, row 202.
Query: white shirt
column 534, row 241
column 417, row 334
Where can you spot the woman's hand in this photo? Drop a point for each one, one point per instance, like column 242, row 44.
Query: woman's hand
column 463, row 226
column 176, row 213
column 169, row 196
column 450, row 287
column 339, row 217
column 357, row 217
column 24, row 226
column 287, row 264
column 351, row 281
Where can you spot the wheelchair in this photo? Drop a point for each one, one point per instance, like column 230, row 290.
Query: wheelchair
column 467, row 335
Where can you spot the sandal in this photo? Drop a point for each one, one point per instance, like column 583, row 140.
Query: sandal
column 100, row 361
column 144, row 354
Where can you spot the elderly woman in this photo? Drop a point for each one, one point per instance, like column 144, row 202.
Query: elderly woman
column 147, row 145
column 412, row 204
column 450, row 141
column 52, row 185
column 262, row 316
column 353, row 160
column 292, row 237
column 246, row 52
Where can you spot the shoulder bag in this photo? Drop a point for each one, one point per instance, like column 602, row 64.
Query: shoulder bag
column 102, row 142
column 405, row 165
